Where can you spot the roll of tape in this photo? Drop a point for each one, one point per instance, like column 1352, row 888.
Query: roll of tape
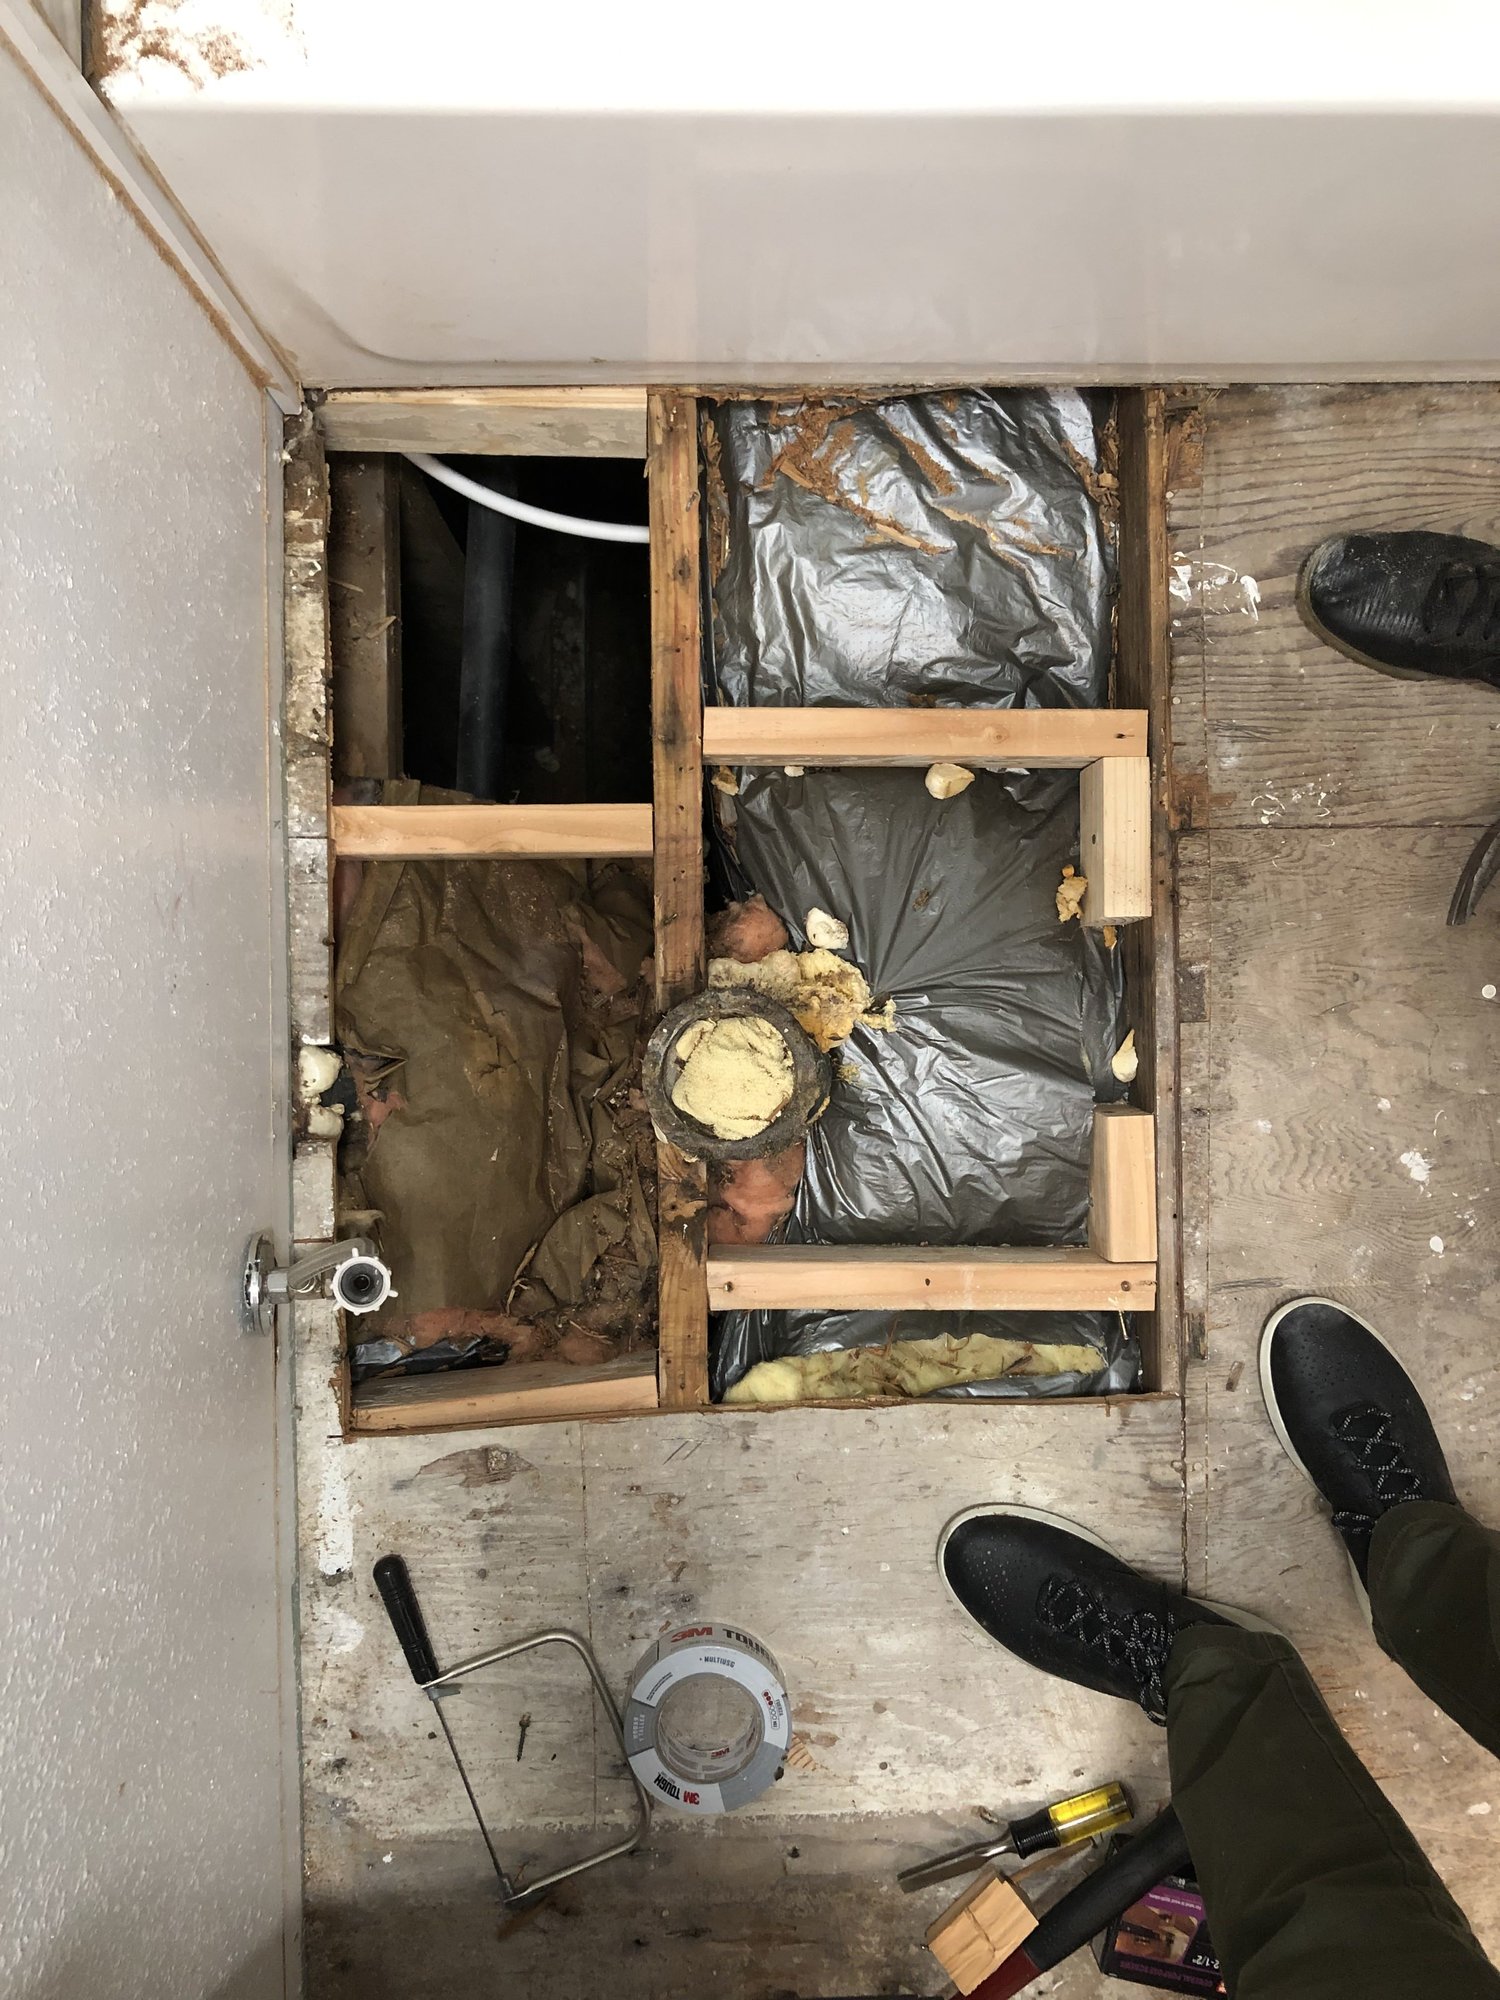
column 708, row 1720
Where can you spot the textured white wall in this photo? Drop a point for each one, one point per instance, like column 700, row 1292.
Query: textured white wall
column 140, row 1728
column 1287, row 188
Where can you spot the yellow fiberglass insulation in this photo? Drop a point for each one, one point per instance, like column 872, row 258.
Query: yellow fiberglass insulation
column 736, row 1075
column 827, row 995
column 906, row 1368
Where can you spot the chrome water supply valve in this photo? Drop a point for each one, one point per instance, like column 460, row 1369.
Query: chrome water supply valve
column 359, row 1280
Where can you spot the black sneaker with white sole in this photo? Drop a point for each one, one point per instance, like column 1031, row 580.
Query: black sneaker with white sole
column 1416, row 605
column 1350, row 1419
column 1054, row 1595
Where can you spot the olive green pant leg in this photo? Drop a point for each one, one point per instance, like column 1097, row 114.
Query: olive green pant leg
column 1315, row 1889
column 1435, row 1598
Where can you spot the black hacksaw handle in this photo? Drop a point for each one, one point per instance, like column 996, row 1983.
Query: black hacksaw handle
column 393, row 1581
column 1159, row 1849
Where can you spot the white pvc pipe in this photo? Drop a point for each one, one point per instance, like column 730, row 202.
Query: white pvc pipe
column 538, row 517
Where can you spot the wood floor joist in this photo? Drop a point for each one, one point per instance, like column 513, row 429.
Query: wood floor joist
column 677, row 790
column 529, row 1392
column 491, row 833
column 785, row 1277
column 1036, row 738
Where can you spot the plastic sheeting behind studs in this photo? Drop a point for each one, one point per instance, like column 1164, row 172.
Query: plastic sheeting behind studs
column 936, row 549
column 944, row 548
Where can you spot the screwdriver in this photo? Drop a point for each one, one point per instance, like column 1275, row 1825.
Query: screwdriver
column 1063, row 1825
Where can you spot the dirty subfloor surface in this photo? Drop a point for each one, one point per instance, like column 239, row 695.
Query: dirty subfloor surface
column 1339, row 1138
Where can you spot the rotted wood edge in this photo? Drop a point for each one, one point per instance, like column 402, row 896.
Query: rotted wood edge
column 677, row 800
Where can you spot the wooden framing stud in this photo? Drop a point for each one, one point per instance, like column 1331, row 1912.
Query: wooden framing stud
column 490, row 833
column 893, row 1278
column 517, row 423
column 1114, row 808
column 1062, row 738
column 1122, row 1185
column 677, row 794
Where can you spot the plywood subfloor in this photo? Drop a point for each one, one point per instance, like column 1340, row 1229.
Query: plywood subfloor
column 816, row 1530
column 1340, row 1079
column 1332, row 1025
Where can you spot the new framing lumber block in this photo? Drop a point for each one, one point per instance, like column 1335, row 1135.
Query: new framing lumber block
column 1040, row 738
column 1114, row 839
column 980, row 1931
column 896, row 1278
column 490, row 833
column 677, row 794
column 1122, row 1185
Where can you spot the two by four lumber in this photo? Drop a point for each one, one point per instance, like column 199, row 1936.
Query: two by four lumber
column 882, row 1277
column 489, row 833
column 1114, row 839
column 1122, row 1185
column 1039, row 738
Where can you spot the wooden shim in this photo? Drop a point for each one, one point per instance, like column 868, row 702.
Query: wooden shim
column 1114, row 839
column 1066, row 738
column 364, row 599
column 527, row 1393
column 490, row 833
column 893, row 1278
column 980, row 1931
column 677, row 795
column 526, row 423
column 1122, row 1185
column 1142, row 678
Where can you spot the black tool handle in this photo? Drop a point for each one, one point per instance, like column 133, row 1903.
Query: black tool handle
column 393, row 1581
column 1159, row 1849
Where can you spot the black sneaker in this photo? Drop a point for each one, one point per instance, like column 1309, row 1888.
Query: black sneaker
column 1415, row 605
column 1350, row 1419
column 1058, row 1598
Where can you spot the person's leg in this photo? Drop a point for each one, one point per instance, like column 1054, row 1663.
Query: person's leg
column 1313, row 1885
column 1426, row 1572
column 1434, row 1583
column 1314, row 1888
